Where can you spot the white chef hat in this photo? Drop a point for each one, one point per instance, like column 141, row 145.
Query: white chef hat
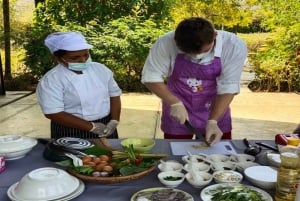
column 70, row 41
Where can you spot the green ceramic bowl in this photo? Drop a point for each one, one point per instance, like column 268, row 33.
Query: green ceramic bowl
column 139, row 144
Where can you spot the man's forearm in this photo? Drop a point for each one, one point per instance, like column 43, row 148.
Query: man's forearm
column 161, row 90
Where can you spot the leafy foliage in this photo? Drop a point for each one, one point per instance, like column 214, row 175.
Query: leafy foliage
column 277, row 66
column 121, row 33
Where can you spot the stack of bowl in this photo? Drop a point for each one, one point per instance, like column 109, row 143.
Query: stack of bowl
column 15, row 146
column 46, row 184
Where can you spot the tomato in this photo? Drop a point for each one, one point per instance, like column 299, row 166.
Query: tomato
column 96, row 160
column 86, row 159
column 99, row 167
column 104, row 157
column 90, row 163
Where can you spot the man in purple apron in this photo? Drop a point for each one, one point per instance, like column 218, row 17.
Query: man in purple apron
column 196, row 72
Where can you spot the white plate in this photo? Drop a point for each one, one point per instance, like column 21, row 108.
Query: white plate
column 75, row 143
column 205, row 196
column 71, row 196
column 135, row 197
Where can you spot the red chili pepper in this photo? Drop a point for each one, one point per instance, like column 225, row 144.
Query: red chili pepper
column 138, row 159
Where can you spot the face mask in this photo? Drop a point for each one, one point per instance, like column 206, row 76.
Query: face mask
column 80, row 66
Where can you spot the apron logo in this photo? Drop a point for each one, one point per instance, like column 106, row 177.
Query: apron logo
column 194, row 84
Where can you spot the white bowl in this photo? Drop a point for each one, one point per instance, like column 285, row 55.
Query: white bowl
column 202, row 167
column 228, row 165
column 170, row 165
column 244, row 165
column 164, row 178
column 195, row 159
column 262, row 176
column 15, row 146
column 239, row 158
column 207, row 178
column 218, row 158
column 227, row 176
column 45, row 184
column 274, row 159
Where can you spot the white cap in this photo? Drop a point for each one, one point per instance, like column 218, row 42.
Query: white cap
column 70, row 41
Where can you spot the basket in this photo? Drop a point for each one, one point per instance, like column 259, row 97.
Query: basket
column 103, row 142
column 112, row 180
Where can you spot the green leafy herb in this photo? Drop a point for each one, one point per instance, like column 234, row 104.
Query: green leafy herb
column 97, row 151
column 86, row 170
column 235, row 193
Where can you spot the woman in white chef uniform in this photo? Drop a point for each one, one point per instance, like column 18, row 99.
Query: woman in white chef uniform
column 80, row 97
column 196, row 72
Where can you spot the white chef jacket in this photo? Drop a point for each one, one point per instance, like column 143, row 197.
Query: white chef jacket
column 232, row 50
column 85, row 95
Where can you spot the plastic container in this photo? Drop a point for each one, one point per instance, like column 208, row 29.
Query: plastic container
column 288, row 177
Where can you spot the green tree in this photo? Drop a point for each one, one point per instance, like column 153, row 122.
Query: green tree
column 278, row 64
column 120, row 31
column 223, row 13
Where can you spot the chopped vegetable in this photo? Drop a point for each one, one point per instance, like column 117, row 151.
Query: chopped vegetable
column 235, row 193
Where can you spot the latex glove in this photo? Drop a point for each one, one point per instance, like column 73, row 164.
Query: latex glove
column 111, row 127
column 99, row 129
column 179, row 112
column 213, row 132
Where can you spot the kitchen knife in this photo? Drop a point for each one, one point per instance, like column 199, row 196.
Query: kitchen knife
column 267, row 146
column 196, row 131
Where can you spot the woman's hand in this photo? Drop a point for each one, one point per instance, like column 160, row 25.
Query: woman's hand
column 111, row 127
column 99, row 129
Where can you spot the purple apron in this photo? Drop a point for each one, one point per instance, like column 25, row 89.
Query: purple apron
column 196, row 86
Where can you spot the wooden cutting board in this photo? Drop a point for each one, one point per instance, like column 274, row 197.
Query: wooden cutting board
column 182, row 148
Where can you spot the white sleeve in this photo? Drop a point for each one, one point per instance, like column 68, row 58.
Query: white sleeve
column 234, row 53
column 160, row 61
column 113, row 87
column 50, row 96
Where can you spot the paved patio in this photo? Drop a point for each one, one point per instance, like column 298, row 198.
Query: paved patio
column 255, row 115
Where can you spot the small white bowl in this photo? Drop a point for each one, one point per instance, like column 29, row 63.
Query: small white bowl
column 170, row 165
column 195, row 159
column 239, row 158
column 262, row 176
column 202, row 167
column 207, row 178
column 227, row 176
column 244, row 165
column 274, row 159
column 45, row 184
column 13, row 147
column 228, row 165
column 218, row 158
column 166, row 178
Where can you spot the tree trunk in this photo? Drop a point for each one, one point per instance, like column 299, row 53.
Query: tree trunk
column 6, row 24
column 2, row 89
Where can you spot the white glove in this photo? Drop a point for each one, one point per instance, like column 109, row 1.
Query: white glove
column 179, row 112
column 213, row 132
column 99, row 129
column 111, row 127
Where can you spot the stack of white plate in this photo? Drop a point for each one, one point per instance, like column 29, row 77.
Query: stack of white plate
column 15, row 146
column 46, row 184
